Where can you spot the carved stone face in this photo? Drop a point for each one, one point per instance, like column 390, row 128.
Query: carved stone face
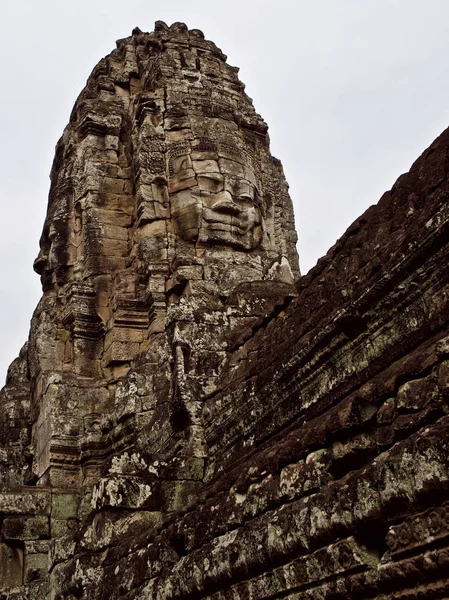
column 53, row 255
column 214, row 199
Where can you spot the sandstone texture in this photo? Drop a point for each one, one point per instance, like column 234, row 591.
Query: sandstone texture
column 192, row 419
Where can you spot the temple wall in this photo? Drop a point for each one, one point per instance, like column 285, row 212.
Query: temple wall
column 371, row 301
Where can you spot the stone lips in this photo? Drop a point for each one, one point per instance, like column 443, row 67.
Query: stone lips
column 184, row 422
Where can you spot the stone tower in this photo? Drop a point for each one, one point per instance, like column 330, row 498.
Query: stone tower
column 169, row 238
column 169, row 223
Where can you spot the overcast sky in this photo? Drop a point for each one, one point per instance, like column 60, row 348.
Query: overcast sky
column 352, row 90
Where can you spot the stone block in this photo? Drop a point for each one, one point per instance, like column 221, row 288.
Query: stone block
column 107, row 529
column 156, row 285
column 37, row 546
column 205, row 166
column 124, row 334
column 155, row 228
column 62, row 527
column 157, row 324
column 113, row 247
column 112, row 186
column 87, row 367
column 64, row 477
column 112, row 217
column 64, row 505
column 36, row 567
column 30, row 501
column 25, row 528
column 11, row 566
column 115, row 232
column 121, row 352
column 177, row 185
column 190, row 272
column 231, row 167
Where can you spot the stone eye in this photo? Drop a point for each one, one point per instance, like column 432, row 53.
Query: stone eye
column 246, row 199
column 210, row 183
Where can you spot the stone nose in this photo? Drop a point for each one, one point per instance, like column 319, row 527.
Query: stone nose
column 39, row 263
column 226, row 205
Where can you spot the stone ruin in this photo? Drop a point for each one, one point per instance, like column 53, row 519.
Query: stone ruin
column 192, row 419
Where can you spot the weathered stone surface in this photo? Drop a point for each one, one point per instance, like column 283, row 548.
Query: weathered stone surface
column 11, row 566
column 25, row 528
column 191, row 420
column 25, row 500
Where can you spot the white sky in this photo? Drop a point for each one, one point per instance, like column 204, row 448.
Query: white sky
column 352, row 90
